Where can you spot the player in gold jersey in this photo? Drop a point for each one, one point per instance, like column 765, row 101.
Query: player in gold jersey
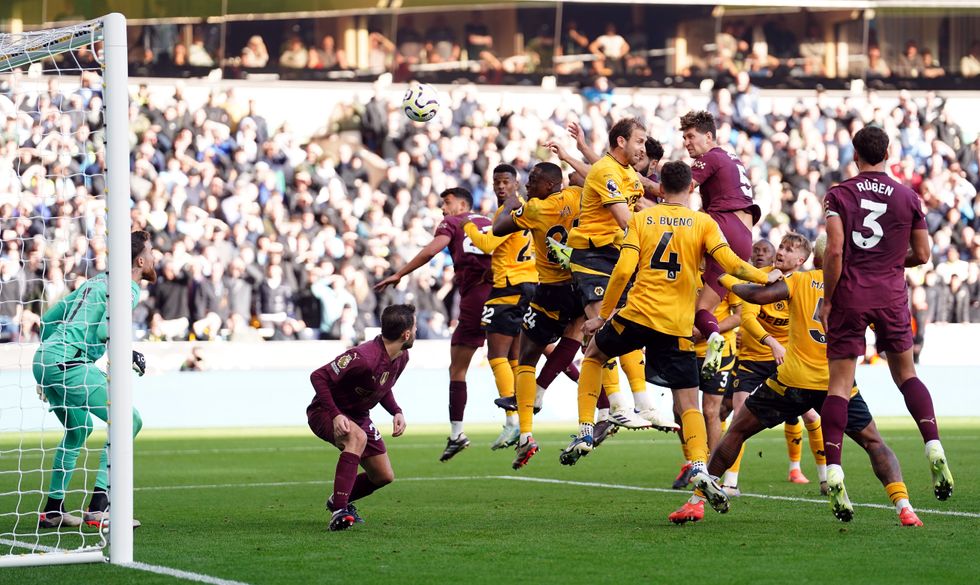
column 765, row 335
column 514, row 277
column 799, row 384
column 555, row 310
column 612, row 189
column 664, row 246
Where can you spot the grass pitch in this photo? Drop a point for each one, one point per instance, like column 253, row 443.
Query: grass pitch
column 248, row 506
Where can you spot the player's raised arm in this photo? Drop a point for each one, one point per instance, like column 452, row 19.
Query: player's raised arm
column 920, row 248
column 625, row 267
column 576, row 132
column 833, row 259
column 718, row 248
column 437, row 244
column 754, row 293
column 486, row 242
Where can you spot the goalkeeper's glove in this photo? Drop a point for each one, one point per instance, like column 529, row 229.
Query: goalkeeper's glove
column 40, row 393
column 139, row 363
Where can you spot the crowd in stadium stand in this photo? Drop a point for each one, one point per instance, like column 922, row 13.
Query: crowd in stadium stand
column 262, row 236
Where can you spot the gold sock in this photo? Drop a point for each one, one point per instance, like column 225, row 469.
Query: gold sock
column 632, row 363
column 588, row 389
column 794, row 440
column 503, row 375
column 897, row 491
column 526, row 389
column 738, row 460
column 610, row 377
column 695, row 435
column 815, row 435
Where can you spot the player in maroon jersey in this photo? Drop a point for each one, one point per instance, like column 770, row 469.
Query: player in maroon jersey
column 875, row 228
column 346, row 390
column 472, row 271
column 726, row 195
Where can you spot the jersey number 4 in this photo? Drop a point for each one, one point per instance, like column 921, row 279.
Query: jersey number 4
column 875, row 210
column 670, row 263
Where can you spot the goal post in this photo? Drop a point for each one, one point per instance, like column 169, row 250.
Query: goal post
column 57, row 166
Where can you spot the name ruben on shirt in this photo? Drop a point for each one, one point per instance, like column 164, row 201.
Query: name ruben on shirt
column 874, row 187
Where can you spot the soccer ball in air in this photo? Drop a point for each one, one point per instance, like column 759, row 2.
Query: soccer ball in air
column 421, row 102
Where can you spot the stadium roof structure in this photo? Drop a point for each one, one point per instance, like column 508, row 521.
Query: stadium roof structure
column 34, row 13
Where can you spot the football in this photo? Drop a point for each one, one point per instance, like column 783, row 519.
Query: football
column 421, row 102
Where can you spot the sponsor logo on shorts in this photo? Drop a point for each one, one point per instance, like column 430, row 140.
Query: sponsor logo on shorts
column 599, row 291
column 780, row 305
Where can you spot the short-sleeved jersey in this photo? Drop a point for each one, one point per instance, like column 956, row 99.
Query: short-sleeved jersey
column 806, row 355
column 878, row 215
column 552, row 217
column 471, row 264
column 358, row 379
column 724, row 184
column 608, row 182
column 671, row 241
column 774, row 319
column 77, row 326
column 724, row 310
column 513, row 260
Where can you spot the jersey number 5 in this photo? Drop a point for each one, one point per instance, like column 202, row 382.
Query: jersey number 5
column 816, row 334
column 671, row 264
column 876, row 209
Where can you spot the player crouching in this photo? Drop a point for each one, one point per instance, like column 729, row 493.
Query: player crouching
column 346, row 390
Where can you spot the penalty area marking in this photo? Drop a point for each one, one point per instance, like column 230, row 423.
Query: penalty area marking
column 186, row 575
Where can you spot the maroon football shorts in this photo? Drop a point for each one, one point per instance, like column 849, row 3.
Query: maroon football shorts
column 322, row 426
column 739, row 238
column 469, row 331
column 847, row 327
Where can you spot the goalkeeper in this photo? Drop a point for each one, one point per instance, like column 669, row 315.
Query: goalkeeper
column 74, row 333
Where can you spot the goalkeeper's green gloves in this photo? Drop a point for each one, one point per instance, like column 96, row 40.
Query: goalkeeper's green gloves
column 139, row 363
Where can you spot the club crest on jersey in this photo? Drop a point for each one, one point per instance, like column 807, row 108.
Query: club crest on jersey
column 611, row 186
column 344, row 360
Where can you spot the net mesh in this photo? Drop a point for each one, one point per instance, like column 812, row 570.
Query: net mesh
column 52, row 241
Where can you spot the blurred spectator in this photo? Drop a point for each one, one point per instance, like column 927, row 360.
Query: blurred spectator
column 255, row 55
column 637, row 62
column 171, row 302
column 197, row 54
column 930, row 66
column 813, row 51
column 295, row 55
column 610, row 48
column 877, row 67
column 440, row 42
column 540, row 51
column 409, row 48
column 180, row 55
column 194, row 362
column 479, row 43
column 327, row 56
column 381, row 52
column 970, row 63
column 573, row 42
column 910, row 62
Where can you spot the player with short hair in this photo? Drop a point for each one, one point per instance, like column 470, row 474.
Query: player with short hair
column 471, row 267
column 726, row 195
column 514, row 278
column 612, row 188
column 74, row 334
column 764, row 336
column 555, row 311
column 799, row 385
column 347, row 388
column 875, row 229
column 664, row 247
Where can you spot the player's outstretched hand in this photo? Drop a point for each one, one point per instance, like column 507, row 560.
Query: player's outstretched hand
column 778, row 351
column 556, row 148
column 341, row 426
column 40, row 393
column 139, row 363
column 592, row 325
column 775, row 275
column 390, row 281
column 575, row 131
column 398, row 425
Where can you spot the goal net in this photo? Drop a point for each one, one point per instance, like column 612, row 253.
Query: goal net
column 64, row 220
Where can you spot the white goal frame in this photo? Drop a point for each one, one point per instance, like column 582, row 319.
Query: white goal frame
column 118, row 223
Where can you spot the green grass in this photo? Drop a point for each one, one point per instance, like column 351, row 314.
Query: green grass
column 492, row 530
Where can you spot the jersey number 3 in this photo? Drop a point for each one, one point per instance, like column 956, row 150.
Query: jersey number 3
column 876, row 209
column 670, row 264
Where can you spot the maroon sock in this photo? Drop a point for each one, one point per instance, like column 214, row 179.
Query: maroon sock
column 603, row 401
column 706, row 323
column 343, row 481
column 363, row 487
column 559, row 360
column 572, row 372
column 833, row 419
column 919, row 403
column 457, row 400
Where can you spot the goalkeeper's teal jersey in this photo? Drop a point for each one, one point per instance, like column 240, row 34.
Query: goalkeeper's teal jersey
column 75, row 328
